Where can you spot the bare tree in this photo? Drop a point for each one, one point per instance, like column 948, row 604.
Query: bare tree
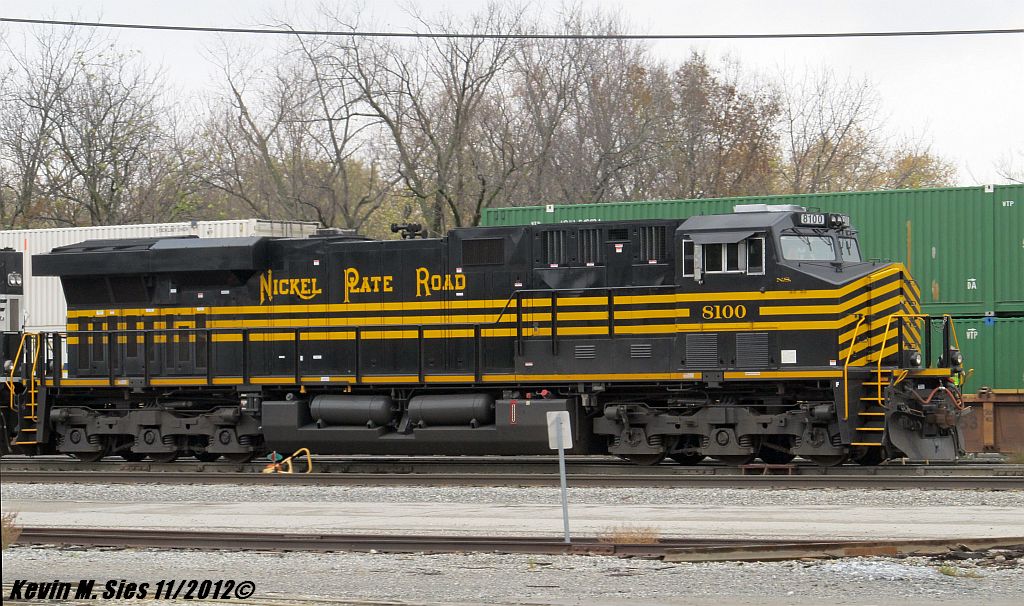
column 82, row 131
column 433, row 98
column 720, row 137
column 1012, row 169
column 41, row 73
column 830, row 133
column 289, row 139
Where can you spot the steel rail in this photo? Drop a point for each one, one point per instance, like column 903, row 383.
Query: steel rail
column 638, row 480
column 494, row 465
column 669, row 549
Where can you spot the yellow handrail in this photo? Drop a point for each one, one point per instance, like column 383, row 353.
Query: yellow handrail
column 14, row 366
column 846, row 369
column 885, row 340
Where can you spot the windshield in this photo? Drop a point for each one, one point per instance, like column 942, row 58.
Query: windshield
column 849, row 250
column 808, row 248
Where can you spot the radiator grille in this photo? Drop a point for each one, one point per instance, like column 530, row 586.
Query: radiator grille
column 640, row 350
column 586, row 352
column 702, row 351
column 752, row 350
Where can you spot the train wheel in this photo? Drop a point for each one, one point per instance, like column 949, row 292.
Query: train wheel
column 207, row 457
column 687, row 459
column 646, row 460
column 164, row 457
column 240, row 457
column 133, row 457
column 92, row 457
column 869, row 456
column 829, row 460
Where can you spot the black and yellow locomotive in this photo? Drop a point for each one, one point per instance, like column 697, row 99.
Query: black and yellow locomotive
column 756, row 334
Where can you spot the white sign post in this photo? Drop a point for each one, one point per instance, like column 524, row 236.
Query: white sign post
column 560, row 438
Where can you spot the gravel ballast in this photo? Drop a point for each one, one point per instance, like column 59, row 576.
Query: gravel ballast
column 217, row 493
column 494, row 578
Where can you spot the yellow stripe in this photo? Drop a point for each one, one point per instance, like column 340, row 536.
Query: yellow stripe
column 179, row 381
column 644, row 299
column 931, row 372
column 329, row 379
column 489, row 303
column 828, row 309
column 793, row 294
column 646, row 314
column 785, row 374
column 669, row 376
column 84, row 382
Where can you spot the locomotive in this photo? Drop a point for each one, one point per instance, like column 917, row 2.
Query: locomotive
column 761, row 333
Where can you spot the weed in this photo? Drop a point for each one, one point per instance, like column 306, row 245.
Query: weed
column 632, row 535
column 11, row 531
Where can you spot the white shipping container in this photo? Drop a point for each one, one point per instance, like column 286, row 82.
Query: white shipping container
column 44, row 308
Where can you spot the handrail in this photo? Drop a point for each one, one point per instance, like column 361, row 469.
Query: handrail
column 846, row 368
column 14, row 366
column 34, row 377
column 885, row 340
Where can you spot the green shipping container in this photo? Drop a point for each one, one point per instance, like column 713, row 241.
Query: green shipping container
column 992, row 348
column 964, row 245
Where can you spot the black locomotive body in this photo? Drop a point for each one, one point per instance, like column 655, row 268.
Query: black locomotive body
column 760, row 333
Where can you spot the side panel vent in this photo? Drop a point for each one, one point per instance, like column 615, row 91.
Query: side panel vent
column 586, row 352
column 752, row 350
column 640, row 350
column 702, row 351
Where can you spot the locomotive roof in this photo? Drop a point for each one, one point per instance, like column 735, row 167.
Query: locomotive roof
column 737, row 221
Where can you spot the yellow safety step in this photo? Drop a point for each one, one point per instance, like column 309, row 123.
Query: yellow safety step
column 873, row 398
column 873, row 383
column 26, row 443
column 27, row 430
column 865, row 443
column 870, row 429
column 871, row 414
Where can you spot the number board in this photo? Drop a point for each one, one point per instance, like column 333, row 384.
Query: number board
column 816, row 219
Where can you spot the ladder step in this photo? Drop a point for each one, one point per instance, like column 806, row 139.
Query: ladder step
column 25, row 443
column 874, row 399
column 871, row 414
column 870, row 429
column 873, row 383
column 27, row 430
column 865, row 443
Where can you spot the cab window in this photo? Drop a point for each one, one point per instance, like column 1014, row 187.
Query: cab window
column 808, row 248
column 746, row 256
column 849, row 249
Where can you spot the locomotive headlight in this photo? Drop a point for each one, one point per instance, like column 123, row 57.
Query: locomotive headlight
column 956, row 359
column 913, row 358
column 14, row 279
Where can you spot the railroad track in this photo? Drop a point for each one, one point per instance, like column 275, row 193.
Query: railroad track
column 537, row 478
column 671, row 550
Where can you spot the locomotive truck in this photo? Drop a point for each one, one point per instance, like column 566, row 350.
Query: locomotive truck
column 760, row 333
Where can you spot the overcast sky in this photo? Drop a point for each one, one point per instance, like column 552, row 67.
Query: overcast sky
column 965, row 94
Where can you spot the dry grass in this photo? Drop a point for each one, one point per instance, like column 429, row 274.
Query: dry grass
column 11, row 531
column 628, row 534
